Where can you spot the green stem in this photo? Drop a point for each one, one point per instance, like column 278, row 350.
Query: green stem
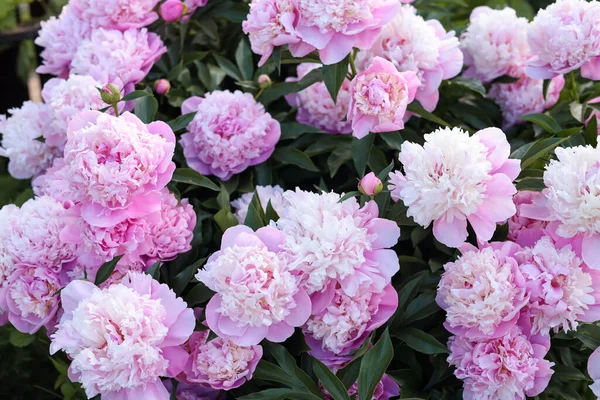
column 259, row 93
column 116, row 109
column 352, row 66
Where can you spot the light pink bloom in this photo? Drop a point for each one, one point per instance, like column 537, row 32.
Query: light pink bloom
column 335, row 27
column 117, row 14
column 566, row 36
column 27, row 156
column 560, row 291
column 483, row 291
column 379, row 97
column 328, row 242
column 162, row 86
column 67, row 98
column 455, row 178
column 571, row 202
column 257, row 296
column 508, row 367
column 316, row 107
column 114, row 167
column 274, row 194
column 111, row 56
column 594, row 371
column 123, row 338
column 270, row 23
column 220, row 363
column 29, row 297
column 495, row 44
column 60, row 37
column 522, row 230
column 370, row 185
column 172, row 10
column 230, row 132
column 347, row 321
column 414, row 44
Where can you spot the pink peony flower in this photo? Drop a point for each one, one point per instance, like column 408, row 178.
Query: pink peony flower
column 560, row 291
column 379, row 97
column 270, row 23
column 525, row 96
column 162, row 86
column 257, row 296
column 335, row 27
column 60, row 37
column 229, row 133
column 27, row 156
column 117, row 14
column 594, row 371
column 186, row 391
column 29, row 297
column 522, row 230
column 344, row 323
column 570, row 201
column 495, row 44
column 111, row 56
column 172, row 10
column 316, row 107
column 563, row 37
column 455, row 177
column 508, row 367
column 327, row 242
column 274, row 194
column 67, row 98
column 370, row 184
column 220, row 363
column 114, row 167
column 123, row 338
column 413, row 44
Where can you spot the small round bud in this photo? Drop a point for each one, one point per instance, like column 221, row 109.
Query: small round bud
column 162, row 86
column 110, row 94
column 172, row 10
column 370, row 185
column 264, row 81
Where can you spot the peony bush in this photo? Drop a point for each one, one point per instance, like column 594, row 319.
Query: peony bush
column 307, row 199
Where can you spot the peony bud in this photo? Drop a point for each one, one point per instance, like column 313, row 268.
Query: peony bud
column 172, row 10
column 162, row 86
column 370, row 185
column 264, row 81
column 110, row 94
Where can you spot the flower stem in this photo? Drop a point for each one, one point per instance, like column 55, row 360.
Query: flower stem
column 116, row 109
column 259, row 93
column 352, row 66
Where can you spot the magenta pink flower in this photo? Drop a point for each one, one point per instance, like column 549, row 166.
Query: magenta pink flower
column 162, row 86
column 345, row 322
column 594, row 371
column 172, row 10
column 270, row 23
column 328, row 242
column 334, row 27
column 483, row 291
column 414, row 44
column 455, row 178
column 114, row 167
column 316, row 107
column 117, row 14
column 122, row 351
column 522, row 230
column 508, row 367
column 563, row 37
column 273, row 194
column 379, row 97
column 229, row 133
column 220, row 363
column 257, row 296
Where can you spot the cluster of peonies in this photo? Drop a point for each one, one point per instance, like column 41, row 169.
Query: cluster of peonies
column 495, row 45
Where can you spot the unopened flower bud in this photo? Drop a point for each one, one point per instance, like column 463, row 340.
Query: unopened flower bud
column 264, row 81
column 370, row 185
column 172, row 10
column 162, row 86
column 110, row 94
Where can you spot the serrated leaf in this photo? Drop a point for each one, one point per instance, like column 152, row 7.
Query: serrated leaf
column 106, row 270
column 373, row 366
column 192, row 177
column 334, row 76
column 293, row 156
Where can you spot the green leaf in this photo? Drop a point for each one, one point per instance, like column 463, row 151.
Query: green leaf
column 504, row 79
column 136, row 94
column 591, row 132
column 565, row 372
column 106, row 270
column 540, row 149
column 383, row 175
column 421, row 307
column 547, row 123
column 20, row 339
column 198, row 294
column 145, row 108
column 588, row 334
column 293, row 130
column 416, row 108
column 334, row 76
column 270, row 372
column 337, row 158
column 421, row 341
column 228, row 67
column 255, row 218
column 288, row 364
column 154, row 270
column 182, row 121
column 192, row 177
column 329, row 381
column 407, row 293
column 349, row 195
column 472, row 84
column 181, row 280
column 243, row 59
column 280, row 394
column 360, row 153
column 225, row 219
column 293, row 156
column 270, row 213
column 280, row 89
column 393, row 139
column 373, row 366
